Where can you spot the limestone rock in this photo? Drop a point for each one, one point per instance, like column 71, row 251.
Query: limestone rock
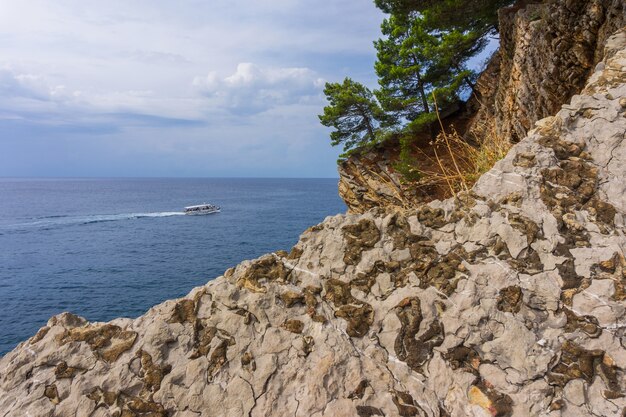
column 548, row 50
column 473, row 306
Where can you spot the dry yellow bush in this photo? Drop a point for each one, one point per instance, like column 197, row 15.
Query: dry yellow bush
column 460, row 163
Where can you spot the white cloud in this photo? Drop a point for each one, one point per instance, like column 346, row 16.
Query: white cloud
column 14, row 85
column 155, row 57
column 36, row 98
column 132, row 68
column 252, row 88
column 249, row 90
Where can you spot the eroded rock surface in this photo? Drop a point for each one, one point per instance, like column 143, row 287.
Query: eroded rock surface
column 507, row 301
column 548, row 50
column 368, row 180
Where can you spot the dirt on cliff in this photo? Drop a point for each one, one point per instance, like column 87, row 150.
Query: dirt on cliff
column 508, row 301
column 548, row 49
column 369, row 178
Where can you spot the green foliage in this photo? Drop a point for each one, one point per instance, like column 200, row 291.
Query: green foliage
column 401, row 7
column 422, row 59
column 464, row 15
column 422, row 67
column 406, row 165
column 416, row 64
column 403, row 67
column 355, row 115
column 383, row 135
column 479, row 16
column 423, row 122
column 446, row 34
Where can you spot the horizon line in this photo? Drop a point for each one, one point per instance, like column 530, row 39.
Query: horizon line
column 155, row 177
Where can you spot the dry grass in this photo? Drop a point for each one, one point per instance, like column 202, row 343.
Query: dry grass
column 459, row 164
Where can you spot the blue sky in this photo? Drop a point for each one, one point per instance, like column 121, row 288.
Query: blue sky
column 186, row 88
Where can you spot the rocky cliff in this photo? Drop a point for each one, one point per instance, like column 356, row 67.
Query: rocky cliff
column 368, row 180
column 548, row 50
column 507, row 301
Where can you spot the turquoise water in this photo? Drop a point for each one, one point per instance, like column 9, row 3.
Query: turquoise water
column 114, row 248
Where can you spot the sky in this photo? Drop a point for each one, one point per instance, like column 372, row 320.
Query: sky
column 191, row 88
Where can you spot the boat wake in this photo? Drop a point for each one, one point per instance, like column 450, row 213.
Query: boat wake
column 130, row 216
column 55, row 221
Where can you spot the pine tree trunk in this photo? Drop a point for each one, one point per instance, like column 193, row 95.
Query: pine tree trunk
column 368, row 123
column 420, row 86
column 471, row 85
column 469, row 82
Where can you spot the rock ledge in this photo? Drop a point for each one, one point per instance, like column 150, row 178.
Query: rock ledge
column 509, row 301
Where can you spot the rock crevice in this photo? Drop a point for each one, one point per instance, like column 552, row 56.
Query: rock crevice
column 507, row 300
column 548, row 50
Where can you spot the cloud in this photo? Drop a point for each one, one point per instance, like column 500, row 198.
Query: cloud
column 155, row 57
column 34, row 97
column 123, row 78
column 249, row 90
column 253, row 89
column 13, row 85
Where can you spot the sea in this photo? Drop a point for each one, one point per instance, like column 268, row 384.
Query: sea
column 107, row 248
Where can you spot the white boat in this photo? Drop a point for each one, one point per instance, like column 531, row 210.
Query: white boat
column 202, row 209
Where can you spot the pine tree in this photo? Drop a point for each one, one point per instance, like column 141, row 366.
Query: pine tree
column 462, row 28
column 450, row 58
column 404, row 68
column 401, row 7
column 354, row 114
column 422, row 67
column 480, row 16
column 416, row 64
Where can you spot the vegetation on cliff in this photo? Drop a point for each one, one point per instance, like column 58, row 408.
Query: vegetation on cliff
column 547, row 51
column 410, row 313
column 353, row 113
column 422, row 67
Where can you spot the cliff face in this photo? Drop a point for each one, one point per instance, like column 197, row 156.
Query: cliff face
column 369, row 181
column 508, row 301
column 548, row 50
